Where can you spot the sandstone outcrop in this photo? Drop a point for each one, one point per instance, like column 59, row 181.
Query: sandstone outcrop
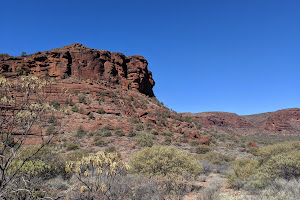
column 81, row 62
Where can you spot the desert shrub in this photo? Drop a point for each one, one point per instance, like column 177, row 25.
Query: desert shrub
column 44, row 165
column 183, row 138
column 91, row 115
column 51, row 130
column 144, row 140
column 82, row 99
column 119, row 132
column 81, row 110
column 99, row 141
column 281, row 189
column 106, row 133
column 69, row 101
column 163, row 160
column 132, row 134
column 101, row 111
column 106, row 127
column 110, row 149
column 278, row 161
column 283, row 165
column 168, row 140
column 19, row 69
column 139, row 127
column 55, row 104
column 80, row 132
column 71, row 146
column 272, row 150
column 97, row 174
column 194, row 142
column 75, row 109
column 253, row 150
column 202, row 149
column 167, row 133
column 244, row 171
column 2, row 55
column 52, row 120
column 154, row 132
column 133, row 120
column 76, row 155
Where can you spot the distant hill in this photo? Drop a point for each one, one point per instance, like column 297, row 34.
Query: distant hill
column 281, row 122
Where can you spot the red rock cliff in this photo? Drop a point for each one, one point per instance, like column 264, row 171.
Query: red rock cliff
column 77, row 61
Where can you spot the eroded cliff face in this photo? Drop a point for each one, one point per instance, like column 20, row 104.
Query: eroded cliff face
column 77, row 61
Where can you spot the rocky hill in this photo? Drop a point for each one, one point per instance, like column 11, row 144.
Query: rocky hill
column 281, row 122
column 100, row 90
column 77, row 61
column 104, row 90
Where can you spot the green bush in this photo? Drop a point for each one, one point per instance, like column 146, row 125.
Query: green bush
column 71, row 146
column 80, row 132
column 145, row 140
column 284, row 165
column 45, row 164
column 110, row 149
column 101, row 111
column 106, row 133
column 163, row 160
column 51, row 130
column 253, row 150
column 52, row 120
column 75, row 109
column 139, row 127
column 244, row 170
column 119, row 132
column 167, row 133
column 194, row 142
column 82, row 99
column 154, row 132
column 98, row 141
column 278, row 161
column 132, row 134
column 55, row 104
column 202, row 149
column 76, row 155
column 91, row 115
column 168, row 140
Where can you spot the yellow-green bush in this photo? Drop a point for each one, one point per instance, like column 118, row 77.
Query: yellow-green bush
column 163, row 160
column 275, row 161
column 145, row 140
column 76, row 155
column 45, row 164
column 202, row 149
column 272, row 150
column 71, row 146
column 284, row 165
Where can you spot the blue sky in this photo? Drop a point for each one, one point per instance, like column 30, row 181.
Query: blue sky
column 206, row 55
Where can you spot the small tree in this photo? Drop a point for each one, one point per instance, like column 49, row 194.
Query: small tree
column 22, row 107
column 23, row 53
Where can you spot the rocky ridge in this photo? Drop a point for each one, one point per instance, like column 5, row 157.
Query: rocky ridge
column 78, row 61
column 286, row 121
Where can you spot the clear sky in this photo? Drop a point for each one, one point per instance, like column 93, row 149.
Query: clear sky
column 240, row 56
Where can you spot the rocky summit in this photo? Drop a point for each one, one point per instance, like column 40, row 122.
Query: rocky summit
column 78, row 61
